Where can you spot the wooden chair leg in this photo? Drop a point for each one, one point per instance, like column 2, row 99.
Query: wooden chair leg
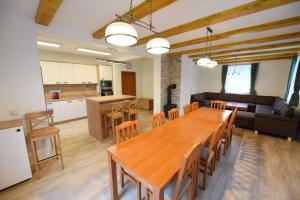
column 55, row 146
column 139, row 191
column 60, row 151
column 122, row 183
column 113, row 130
column 204, row 175
column 34, row 156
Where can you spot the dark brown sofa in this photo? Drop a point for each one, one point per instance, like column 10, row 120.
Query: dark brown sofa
column 267, row 114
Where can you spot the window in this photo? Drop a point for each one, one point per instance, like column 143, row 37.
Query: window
column 238, row 79
column 291, row 90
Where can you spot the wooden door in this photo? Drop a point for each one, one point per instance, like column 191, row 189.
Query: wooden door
column 128, row 83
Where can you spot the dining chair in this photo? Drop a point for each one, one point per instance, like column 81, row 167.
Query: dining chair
column 195, row 106
column 158, row 120
column 208, row 154
column 124, row 132
column 40, row 125
column 217, row 104
column 115, row 115
column 173, row 114
column 187, row 108
column 227, row 136
column 184, row 186
column 130, row 109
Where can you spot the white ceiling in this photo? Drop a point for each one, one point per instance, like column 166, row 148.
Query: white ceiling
column 76, row 20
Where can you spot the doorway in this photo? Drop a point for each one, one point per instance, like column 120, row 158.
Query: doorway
column 128, row 83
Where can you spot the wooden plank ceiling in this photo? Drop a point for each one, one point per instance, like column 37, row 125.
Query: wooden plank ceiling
column 256, row 50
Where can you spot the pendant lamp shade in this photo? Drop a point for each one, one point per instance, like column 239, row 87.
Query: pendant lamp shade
column 158, row 46
column 213, row 64
column 120, row 34
column 204, row 62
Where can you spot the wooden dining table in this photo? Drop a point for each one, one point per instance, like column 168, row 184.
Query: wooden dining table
column 154, row 157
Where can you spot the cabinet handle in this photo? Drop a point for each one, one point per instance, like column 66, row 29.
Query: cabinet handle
column 66, row 82
column 89, row 82
column 83, row 82
column 80, row 100
column 69, row 101
column 18, row 130
column 49, row 103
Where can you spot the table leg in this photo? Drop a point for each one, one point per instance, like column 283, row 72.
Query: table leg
column 113, row 178
column 158, row 194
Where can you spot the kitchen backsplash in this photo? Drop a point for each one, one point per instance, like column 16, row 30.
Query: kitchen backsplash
column 70, row 91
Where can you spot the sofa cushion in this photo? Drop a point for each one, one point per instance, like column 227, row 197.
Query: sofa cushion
column 247, row 116
column 233, row 97
column 264, row 100
column 278, row 103
column 211, row 95
column 222, row 96
column 286, row 111
column 248, row 99
column 264, row 109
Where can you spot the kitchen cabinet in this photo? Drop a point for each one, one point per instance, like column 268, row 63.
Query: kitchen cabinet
column 67, row 110
column 105, row 72
column 55, row 106
column 67, row 73
column 84, row 74
column 14, row 165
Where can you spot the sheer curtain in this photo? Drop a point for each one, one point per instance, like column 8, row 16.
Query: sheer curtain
column 291, row 89
column 238, row 84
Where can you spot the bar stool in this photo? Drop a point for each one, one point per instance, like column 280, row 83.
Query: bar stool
column 115, row 115
column 40, row 125
column 130, row 109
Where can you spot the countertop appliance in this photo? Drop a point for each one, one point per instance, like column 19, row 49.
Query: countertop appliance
column 106, row 87
column 14, row 165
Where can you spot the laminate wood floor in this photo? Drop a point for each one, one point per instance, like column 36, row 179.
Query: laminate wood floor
column 256, row 167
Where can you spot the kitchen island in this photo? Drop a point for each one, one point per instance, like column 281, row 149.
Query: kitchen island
column 96, row 107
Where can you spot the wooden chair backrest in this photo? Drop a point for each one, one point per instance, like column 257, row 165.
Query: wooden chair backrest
column 117, row 108
column 127, row 130
column 41, row 119
column 217, row 104
column 173, row 114
column 131, row 105
column 188, row 168
column 195, row 105
column 216, row 137
column 158, row 120
column 232, row 119
column 187, row 108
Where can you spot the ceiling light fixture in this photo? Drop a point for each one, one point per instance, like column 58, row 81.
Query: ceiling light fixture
column 48, row 44
column 93, row 51
column 206, row 61
column 122, row 33
column 234, row 73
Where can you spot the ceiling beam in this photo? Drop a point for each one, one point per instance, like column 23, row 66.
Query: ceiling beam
column 255, row 58
column 264, row 47
column 46, row 11
column 236, row 12
column 245, row 55
column 250, row 29
column 243, row 42
column 139, row 12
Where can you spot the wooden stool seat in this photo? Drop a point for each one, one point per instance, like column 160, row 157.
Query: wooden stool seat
column 114, row 115
column 44, row 132
column 130, row 109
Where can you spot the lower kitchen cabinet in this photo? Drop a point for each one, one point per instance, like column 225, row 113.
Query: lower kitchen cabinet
column 66, row 110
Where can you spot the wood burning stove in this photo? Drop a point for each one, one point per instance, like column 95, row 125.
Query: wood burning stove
column 169, row 104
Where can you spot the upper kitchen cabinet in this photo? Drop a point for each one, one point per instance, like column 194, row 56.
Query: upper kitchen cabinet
column 105, row 72
column 83, row 74
column 67, row 73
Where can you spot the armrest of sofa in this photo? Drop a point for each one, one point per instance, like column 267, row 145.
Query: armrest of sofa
column 277, row 125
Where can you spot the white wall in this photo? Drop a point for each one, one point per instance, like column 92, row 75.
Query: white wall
column 20, row 73
column 271, row 78
column 156, row 84
column 148, row 78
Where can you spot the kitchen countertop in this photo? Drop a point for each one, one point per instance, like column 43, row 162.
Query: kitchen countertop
column 69, row 98
column 102, row 99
